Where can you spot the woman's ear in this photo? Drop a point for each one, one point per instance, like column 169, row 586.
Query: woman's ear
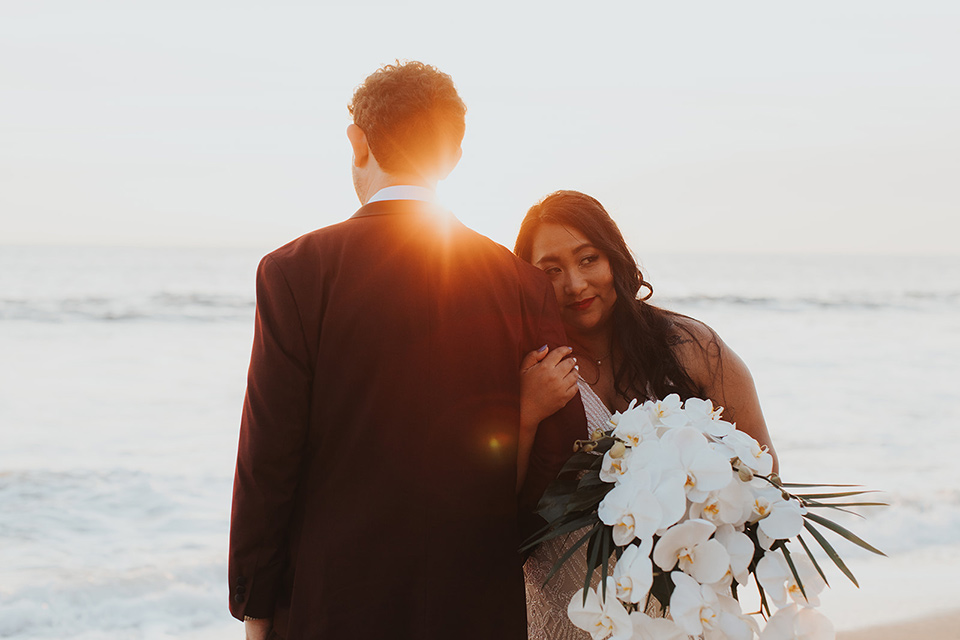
column 358, row 140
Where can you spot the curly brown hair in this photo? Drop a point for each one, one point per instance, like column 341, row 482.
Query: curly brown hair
column 412, row 116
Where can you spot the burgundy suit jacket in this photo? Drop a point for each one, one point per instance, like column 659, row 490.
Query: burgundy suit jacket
column 375, row 486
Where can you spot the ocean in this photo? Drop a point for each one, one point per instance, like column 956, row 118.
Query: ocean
column 123, row 377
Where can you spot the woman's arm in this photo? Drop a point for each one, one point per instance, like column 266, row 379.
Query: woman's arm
column 548, row 381
column 725, row 378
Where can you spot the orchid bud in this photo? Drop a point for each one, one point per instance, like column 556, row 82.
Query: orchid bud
column 618, row 449
column 597, row 434
column 746, row 475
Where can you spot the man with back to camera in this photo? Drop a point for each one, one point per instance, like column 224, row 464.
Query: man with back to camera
column 376, row 484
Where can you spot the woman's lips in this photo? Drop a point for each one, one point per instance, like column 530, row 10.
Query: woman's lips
column 583, row 305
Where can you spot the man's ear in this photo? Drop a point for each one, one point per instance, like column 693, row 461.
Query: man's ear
column 358, row 140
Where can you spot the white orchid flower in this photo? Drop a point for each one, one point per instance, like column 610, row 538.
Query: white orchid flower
column 693, row 606
column 632, row 509
column 813, row 582
column 669, row 492
column 615, row 418
column 704, row 417
column 725, row 506
column 731, row 623
column 647, row 628
column 772, row 573
column 751, row 454
column 700, row 611
column 778, row 518
column 659, row 463
column 603, row 618
column 798, row 623
column 668, row 412
column 634, row 572
column 633, row 426
column 740, row 549
column 689, row 545
column 616, row 462
column 776, row 578
column 706, row 469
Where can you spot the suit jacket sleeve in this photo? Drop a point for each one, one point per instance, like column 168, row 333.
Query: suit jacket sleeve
column 553, row 444
column 272, row 433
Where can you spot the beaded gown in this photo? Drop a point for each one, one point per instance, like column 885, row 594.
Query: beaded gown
column 547, row 604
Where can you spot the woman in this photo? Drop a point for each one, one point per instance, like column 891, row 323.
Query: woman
column 624, row 347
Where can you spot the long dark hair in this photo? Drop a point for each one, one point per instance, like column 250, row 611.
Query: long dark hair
column 644, row 335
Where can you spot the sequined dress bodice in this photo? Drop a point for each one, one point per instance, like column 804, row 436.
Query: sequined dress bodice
column 547, row 604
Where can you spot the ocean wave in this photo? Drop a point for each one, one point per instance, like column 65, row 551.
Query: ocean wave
column 159, row 306
column 167, row 306
column 113, row 553
column 907, row 300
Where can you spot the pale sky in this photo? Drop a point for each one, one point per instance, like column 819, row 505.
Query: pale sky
column 701, row 125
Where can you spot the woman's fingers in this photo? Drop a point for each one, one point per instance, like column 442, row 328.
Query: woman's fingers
column 556, row 356
column 533, row 358
column 567, row 366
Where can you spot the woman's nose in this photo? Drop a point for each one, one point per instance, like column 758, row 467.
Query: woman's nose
column 575, row 283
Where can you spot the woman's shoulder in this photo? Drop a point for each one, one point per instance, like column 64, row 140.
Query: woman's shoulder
column 704, row 356
column 690, row 337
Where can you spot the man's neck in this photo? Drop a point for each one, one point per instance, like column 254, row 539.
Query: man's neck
column 384, row 180
column 404, row 192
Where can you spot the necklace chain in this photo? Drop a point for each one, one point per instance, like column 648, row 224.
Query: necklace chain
column 598, row 362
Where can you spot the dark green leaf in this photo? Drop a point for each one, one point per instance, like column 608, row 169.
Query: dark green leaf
column 565, row 527
column 593, row 551
column 580, row 461
column 843, row 494
column 846, row 504
column 812, row 504
column 569, row 552
column 590, row 480
column 831, row 552
column 763, row 596
column 812, row 559
column 588, row 498
column 798, row 484
column 793, row 570
column 553, row 503
column 604, row 560
column 846, row 533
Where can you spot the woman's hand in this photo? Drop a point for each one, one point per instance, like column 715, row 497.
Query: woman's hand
column 548, row 381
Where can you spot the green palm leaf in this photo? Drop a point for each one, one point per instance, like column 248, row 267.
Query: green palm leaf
column 569, row 552
column 842, row 494
column 593, row 551
column 566, row 527
column 846, row 533
column 837, row 560
column 793, row 570
column 813, row 560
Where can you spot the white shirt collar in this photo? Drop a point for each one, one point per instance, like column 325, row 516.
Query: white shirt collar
column 404, row 192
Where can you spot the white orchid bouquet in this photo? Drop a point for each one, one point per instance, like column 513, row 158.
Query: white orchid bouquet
column 690, row 509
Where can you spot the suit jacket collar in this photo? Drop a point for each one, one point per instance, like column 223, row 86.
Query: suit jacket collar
column 397, row 207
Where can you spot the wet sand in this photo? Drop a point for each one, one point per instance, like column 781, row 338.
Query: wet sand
column 945, row 626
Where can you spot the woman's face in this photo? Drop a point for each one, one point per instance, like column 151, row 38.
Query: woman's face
column 581, row 276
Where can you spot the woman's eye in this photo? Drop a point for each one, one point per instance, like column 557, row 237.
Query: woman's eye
column 552, row 271
column 590, row 259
